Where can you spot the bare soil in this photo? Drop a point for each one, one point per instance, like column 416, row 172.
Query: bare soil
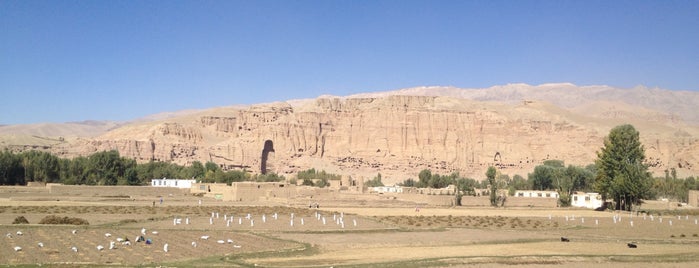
column 351, row 236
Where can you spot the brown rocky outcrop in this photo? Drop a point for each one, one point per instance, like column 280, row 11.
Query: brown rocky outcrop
column 399, row 135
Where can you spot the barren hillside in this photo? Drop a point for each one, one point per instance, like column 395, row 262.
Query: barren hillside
column 398, row 133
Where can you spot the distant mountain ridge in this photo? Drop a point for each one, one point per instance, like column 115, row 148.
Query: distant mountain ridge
column 568, row 96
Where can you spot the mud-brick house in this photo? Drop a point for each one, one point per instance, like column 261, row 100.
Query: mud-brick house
column 247, row 191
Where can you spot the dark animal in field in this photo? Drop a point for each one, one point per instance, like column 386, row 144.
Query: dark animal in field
column 632, row 245
column 564, row 239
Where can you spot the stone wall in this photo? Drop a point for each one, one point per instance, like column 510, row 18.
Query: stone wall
column 693, row 199
column 247, row 191
column 431, row 200
column 111, row 191
column 511, row 201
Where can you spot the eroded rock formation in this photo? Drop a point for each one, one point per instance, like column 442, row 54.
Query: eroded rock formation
column 395, row 135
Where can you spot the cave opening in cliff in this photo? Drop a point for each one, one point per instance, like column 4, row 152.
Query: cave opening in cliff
column 266, row 150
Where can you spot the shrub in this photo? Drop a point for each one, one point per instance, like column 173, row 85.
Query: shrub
column 20, row 220
column 51, row 219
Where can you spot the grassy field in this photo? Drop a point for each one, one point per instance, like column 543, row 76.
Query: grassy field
column 268, row 235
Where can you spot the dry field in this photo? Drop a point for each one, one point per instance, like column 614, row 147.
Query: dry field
column 351, row 236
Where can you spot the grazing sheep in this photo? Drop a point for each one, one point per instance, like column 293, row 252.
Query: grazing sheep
column 236, row 246
column 107, row 235
column 100, row 247
column 112, row 245
column 8, row 235
column 564, row 239
column 126, row 243
column 194, row 244
column 205, row 237
column 220, row 241
column 165, row 247
column 74, row 249
column 119, row 239
column 154, row 232
column 143, row 231
column 632, row 245
column 18, row 248
column 230, row 241
column 19, row 233
column 41, row 245
column 74, row 231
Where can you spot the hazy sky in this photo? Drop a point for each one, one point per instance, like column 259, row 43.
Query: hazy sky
column 119, row 60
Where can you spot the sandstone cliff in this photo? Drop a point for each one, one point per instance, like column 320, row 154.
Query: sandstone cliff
column 399, row 134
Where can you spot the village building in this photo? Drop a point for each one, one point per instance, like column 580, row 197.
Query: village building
column 386, row 189
column 586, row 200
column 247, row 191
column 535, row 193
column 176, row 183
column 693, row 198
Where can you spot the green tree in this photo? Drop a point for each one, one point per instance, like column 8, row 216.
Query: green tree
column 490, row 174
column 518, row 183
column 11, row 171
column 375, row 182
column 544, row 176
column 196, row 170
column 424, row 178
column 211, row 166
column 410, row 182
column 621, row 172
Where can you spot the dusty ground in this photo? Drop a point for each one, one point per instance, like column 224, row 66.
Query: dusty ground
column 382, row 236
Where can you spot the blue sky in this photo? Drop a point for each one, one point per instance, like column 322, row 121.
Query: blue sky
column 64, row 61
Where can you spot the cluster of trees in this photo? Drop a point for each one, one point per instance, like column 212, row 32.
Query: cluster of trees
column 374, row 182
column 554, row 175
column 311, row 177
column 619, row 174
column 672, row 187
column 109, row 168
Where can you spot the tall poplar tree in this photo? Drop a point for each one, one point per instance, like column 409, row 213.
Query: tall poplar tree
column 622, row 174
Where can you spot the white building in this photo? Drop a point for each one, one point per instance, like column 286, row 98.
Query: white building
column 165, row 182
column 386, row 189
column 534, row 193
column 586, row 200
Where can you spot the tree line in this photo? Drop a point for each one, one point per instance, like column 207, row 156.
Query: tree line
column 109, row 168
column 619, row 174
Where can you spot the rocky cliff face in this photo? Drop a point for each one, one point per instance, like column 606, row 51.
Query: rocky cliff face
column 397, row 136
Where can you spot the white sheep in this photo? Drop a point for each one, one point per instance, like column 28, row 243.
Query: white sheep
column 220, row 241
column 154, row 232
column 143, row 231
column 126, row 243
column 41, row 245
column 236, row 246
column 100, row 247
column 119, row 239
column 165, row 247
column 74, row 231
column 205, row 237
column 194, row 244
column 18, row 248
column 107, row 235
column 8, row 235
column 74, row 249
column 230, row 241
column 19, row 233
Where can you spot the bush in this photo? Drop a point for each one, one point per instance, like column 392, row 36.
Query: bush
column 20, row 220
column 51, row 219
